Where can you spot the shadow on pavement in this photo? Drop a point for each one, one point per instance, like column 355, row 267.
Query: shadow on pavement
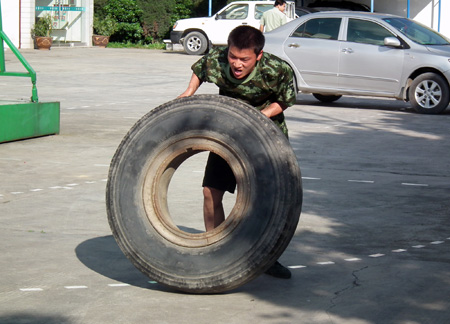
column 24, row 318
column 102, row 255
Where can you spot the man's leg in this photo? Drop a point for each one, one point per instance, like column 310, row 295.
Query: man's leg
column 213, row 212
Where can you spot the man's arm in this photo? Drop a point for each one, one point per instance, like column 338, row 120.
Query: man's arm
column 273, row 109
column 261, row 28
column 194, row 84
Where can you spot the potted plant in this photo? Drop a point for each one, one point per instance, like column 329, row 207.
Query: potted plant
column 103, row 29
column 41, row 32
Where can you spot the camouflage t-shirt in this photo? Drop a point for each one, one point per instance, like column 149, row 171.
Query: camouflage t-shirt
column 270, row 81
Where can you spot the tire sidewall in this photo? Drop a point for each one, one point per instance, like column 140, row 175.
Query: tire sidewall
column 203, row 43
column 442, row 105
column 272, row 189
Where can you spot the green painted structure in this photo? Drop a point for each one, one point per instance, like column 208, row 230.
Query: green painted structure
column 18, row 119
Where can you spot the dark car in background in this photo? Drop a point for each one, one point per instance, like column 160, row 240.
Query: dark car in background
column 301, row 11
column 346, row 5
column 369, row 54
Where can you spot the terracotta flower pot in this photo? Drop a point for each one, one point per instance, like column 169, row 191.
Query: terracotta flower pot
column 43, row 43
column 100, row 41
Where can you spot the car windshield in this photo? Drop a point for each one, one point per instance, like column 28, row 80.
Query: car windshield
column 416, row 32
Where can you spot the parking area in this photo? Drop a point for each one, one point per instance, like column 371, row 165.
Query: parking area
column 372, row 245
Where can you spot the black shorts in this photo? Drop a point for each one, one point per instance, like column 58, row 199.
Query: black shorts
column 218, row 174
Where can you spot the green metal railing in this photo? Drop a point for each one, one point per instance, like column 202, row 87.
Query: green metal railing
column 31, row 73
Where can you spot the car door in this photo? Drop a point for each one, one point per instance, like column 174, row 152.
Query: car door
column 314, row 49
column 226, row 20
column 366, row 64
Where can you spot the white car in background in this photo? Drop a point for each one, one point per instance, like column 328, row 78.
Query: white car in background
column 198, row 34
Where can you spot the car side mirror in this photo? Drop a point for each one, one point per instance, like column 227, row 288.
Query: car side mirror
column 392, row 41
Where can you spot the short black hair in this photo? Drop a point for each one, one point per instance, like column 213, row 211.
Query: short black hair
column 279, row 3
column 244, row 37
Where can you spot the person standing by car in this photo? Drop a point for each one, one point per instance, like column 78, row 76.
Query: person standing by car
column 242, row 71
column 274, row 17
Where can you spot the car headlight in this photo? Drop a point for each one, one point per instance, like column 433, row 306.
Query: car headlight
column 175, row 26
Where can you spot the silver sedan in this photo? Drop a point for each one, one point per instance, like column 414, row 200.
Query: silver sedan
column 347, row 53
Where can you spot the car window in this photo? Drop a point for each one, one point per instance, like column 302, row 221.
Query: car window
column 260, row 9
column 366, row 32
column 323, row 28
column 239, row 11
column 301, row 12
column 416, row 32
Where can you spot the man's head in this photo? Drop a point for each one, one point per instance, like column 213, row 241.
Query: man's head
column 246, row 37
column 245, row 46
column 280, row 4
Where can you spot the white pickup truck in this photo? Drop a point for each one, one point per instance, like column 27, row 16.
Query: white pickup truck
column 198, row 34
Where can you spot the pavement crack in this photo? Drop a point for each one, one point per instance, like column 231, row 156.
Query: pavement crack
column 355, row 283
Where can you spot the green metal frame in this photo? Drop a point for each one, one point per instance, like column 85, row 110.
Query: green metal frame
column 25, row 119
column 31, row 73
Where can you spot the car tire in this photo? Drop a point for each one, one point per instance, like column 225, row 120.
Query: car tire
column 326, row 98
column 195, row 43
column 429, row 94
column 258, row 228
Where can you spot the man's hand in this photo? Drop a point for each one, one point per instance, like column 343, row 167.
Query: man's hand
column 273, row 109
column 194, row 84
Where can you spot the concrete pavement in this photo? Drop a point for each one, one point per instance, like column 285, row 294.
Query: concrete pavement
column 372, row 245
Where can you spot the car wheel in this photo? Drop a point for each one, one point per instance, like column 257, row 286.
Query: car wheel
column 259, row 226
column 429, row 94
column 195, row 43
column 326, row 98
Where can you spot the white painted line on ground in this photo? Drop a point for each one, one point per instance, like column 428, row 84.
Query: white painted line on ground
column 437, row 242
column 35, row 190
column 119, row 285
column 296, row 266
column 70, row 188
column 152, row 282
column 104, row 180
column 101, row 165
column 352, row 259
column 362, row 181
column 377, row 255
column 72, row 184
column 399, row 250
column 75, row 287
column 31, row 289
column 16, row 192
column 55, row 187
column 325, row 262
column 418, row 246
column 310, row 178
column 89, row 182
column 414, row 184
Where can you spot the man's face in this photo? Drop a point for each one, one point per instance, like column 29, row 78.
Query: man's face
column 282, row 8
column 242, row 62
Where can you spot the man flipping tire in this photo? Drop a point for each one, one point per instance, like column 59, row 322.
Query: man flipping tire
column 242, row 71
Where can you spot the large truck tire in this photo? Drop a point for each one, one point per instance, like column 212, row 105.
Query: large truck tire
column 259, row 226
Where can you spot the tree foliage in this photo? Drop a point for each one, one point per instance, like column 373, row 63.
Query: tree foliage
column 149, row 20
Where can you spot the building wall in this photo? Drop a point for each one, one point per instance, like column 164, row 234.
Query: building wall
column 10, row 9
column 18, row 17
column 423, row 11
column 27, row 14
